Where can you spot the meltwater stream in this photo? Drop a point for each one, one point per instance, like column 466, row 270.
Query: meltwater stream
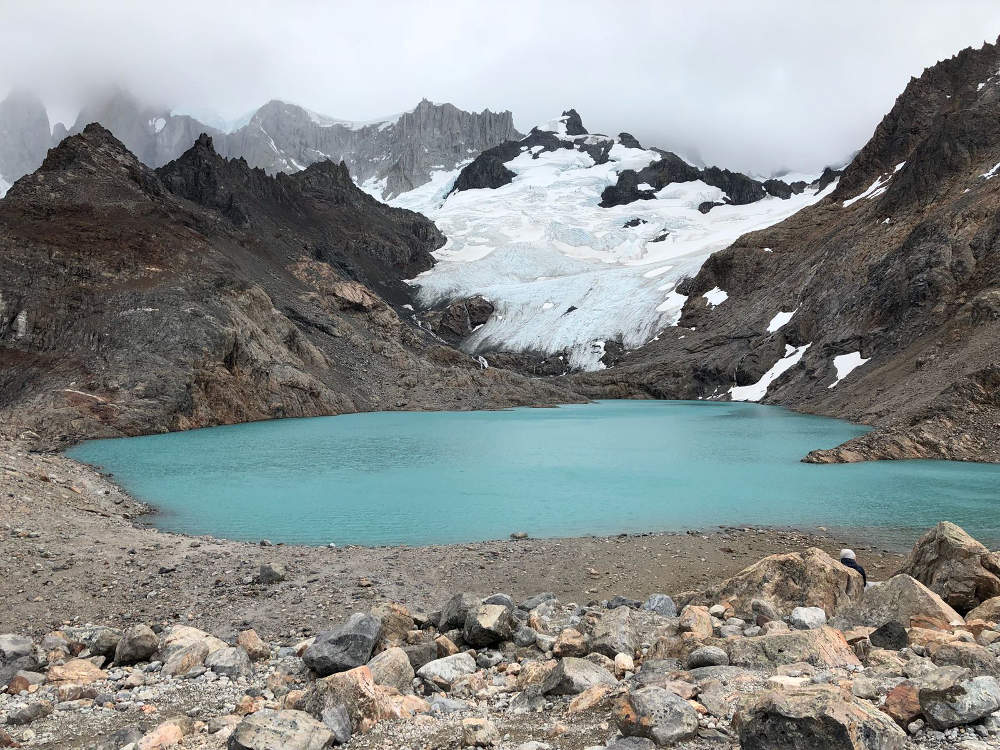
column 602, row 468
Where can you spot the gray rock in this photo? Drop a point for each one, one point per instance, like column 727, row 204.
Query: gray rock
column 455, row 611
column 615, row 633
column 572, row 676
column 441, row 673
column 16, row 653
column 622, row 601
column 807, row 618
column 442, row 705
column 288, row 730
column 707, row 656
column 338, row 721
column 661, row 604
column 524, row 636
column 421, row 653
column 631, row 743
column 138, row 643
column 29, row 713
column 392, row 667
column 528, row 701
column 949, row 702
column 488, row 625
column 892, row 635
column 531, row 602
column 659, row 715
column 501, row 599
column 231, row 661
column 271, row 573
column 345, row 647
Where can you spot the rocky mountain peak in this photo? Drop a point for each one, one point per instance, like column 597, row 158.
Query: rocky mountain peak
column 574, row 124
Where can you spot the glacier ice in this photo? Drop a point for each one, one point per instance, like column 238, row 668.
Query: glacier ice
column 564, row 273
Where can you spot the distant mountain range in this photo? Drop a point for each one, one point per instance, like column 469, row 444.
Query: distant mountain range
column 388, row 157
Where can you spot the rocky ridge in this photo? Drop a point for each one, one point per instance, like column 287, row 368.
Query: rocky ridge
column 209, row 292
column 791, row 652
column 877, row 303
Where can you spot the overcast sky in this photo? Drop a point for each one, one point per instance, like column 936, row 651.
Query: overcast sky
column 748, row 85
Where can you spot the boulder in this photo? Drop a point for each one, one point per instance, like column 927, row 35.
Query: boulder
column 421, row 653
column 810, row 578
column 338, row 721
column 979, row 660
column 344, row 647
column 891, row 635
column 479, row 732
column 169, row 733
column 232, row 661
column 571, row 642
column 955, row 566
column 949, row 697
column 695, row 623
column 270, row 573
column 396, row 623
column 531, row 602
column 16, row 653
column 442, row 673
column 79, row 671
column 822, row 647
column 180, row 637
column 902, row 598
column 183, row 659
column 989, row 611
column 902, row 703
column 289, row 730
column 656, row 714
column 456, row 610
column 807, row 618
column 29, row 713
column 488, row 625
column 392, row 668
column 707, row 656
column 100, row 641
column 615, row 632
column 814, row 717
column 366, row 703
column 251, row 643
column 661, row 604
column 572, row 676
column 138, row 643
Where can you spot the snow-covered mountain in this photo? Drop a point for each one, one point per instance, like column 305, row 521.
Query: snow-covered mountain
column 579, row 239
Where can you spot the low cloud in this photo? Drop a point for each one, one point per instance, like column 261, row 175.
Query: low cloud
column 752, row 86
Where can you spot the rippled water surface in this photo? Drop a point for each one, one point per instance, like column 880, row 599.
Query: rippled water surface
column 603, row 468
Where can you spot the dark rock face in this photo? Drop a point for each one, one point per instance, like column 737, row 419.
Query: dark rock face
column 208, row 292
column 628, row 140
column 906, row 277
column 458, row 319
column 487, row 170
column 574, row 125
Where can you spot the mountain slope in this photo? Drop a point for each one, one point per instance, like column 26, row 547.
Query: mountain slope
column 577, row 257
column 390, row 156
column 207, row 292
column 880, row 303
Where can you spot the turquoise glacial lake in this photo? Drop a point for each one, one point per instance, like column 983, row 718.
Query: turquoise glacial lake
column 602, row 468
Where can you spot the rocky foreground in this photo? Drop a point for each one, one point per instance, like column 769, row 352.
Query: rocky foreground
column 791, row 652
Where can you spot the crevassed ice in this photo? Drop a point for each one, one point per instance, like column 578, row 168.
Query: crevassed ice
column 846, row 364
column 544, row 238
column 758, row 390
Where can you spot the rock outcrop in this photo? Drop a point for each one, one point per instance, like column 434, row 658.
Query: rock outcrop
column 208, row 292
column 955, row 566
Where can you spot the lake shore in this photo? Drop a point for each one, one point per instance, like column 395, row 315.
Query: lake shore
column 72, row 551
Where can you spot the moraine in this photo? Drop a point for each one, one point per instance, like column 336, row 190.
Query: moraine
column 602, row 468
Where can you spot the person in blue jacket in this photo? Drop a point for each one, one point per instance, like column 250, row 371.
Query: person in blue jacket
column 848, row 559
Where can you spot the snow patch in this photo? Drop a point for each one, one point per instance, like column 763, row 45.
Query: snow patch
column 157, row 124
column 992, row 173
column 876, row 189
column 758, row 390
column 715, row 297
column 846, row 364
column 779, row 320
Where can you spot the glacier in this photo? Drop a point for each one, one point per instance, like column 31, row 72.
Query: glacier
column 563, row 273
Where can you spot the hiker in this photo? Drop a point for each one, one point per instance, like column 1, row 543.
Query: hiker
column 848, row 559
